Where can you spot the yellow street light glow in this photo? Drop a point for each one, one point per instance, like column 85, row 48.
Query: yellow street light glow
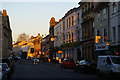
column 48, row 60
column 107, row 44
column 57, row 58
column 52, row 39
column 60, row 51
column 97, row 39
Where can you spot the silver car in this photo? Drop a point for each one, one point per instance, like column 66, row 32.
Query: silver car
column 36, row 60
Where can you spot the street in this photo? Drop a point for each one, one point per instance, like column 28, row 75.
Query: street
column 42, row 71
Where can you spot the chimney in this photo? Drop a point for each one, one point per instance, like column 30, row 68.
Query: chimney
column 4, row 13
column 38, row 34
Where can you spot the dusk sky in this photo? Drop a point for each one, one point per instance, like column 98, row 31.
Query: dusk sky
column 33, row 17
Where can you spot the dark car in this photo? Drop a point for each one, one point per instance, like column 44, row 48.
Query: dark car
column 85, row 66
column 68, row 63
column 5, row 70
column 9, row 62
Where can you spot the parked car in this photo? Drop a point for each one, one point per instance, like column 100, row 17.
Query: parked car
column 5, row 71
column 108, row 65
column 85, row 66
column 35, row 60
column 9, row 62
column 68, row 63
column 0, row 72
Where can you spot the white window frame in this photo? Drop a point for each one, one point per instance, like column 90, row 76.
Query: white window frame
column 104, row 13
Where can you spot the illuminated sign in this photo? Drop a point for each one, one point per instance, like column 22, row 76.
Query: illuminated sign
column 60, row 52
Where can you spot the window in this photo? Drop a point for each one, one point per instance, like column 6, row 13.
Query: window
column 114, row 7
column 108, row 61
column 72, row 20
column 105, row 35
column 119, row 32
column 85, row 7
column 78, row 17
column 66, row 38
column 89, row 5
column 114, row 34
column 104, row 13
column 66, row 24
column 69, row 36
column 69, row 22
column 98, row 33
column 72, row 37
column 98, row 16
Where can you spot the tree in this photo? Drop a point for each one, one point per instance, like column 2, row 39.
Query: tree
column 23, row 37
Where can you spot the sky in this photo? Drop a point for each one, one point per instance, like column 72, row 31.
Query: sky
column 33, row 17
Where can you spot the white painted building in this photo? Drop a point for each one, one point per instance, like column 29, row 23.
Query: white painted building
column 73, row 34
column 5, row 35
column 58, row 31
column 114, row 29
column 101, row 28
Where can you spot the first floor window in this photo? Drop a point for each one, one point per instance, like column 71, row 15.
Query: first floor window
column 119, row 32
column 114, row 34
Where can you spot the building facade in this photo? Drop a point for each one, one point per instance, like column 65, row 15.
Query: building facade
column 114, row 29
column 58, row 38
column 53, row 22
column 46, row 46
column 23, row 48
column 71, row 35
column 79, row 33
column 87, row 30
column 101, row 28
column 5, row 35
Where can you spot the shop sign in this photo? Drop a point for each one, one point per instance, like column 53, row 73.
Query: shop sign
column 102, row 46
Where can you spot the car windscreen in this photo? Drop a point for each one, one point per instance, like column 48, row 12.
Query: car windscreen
column 116, row 60
column 84, row 62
